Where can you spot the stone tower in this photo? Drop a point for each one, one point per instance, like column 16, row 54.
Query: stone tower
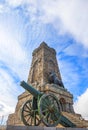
column 43, row 62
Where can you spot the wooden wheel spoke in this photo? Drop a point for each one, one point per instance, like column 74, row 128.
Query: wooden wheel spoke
column 46, row 115
column 30, row 105
column 29, row 118
column 44, row 105
column 33, row 121
column 49, row 100
column 45, row 110
column 27, row 107
column 37, row 118
column 27, row 115
column 49, row 118
column 26, row 111
column 45, row 100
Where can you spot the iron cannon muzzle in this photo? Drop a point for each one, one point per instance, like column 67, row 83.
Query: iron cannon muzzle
column 30, row 89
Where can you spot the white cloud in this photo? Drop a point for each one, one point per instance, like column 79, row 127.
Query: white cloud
column 81, row 105
column 8, row 91
column 12, row 50
column 72, row 15
column 13, row 61
column 8, row 48
column 1, row 8
column 66, row 16
column 14, row 3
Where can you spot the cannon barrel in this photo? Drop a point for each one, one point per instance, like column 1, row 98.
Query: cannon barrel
column 30, row 89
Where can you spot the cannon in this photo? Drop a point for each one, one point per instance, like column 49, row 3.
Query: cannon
column 43, row 108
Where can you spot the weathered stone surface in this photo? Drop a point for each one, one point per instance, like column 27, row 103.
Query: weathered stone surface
column 43, row 62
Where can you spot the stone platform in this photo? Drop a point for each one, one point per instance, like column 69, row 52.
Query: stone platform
column 40, row 128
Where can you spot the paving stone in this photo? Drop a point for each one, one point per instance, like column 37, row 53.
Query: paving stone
column 49, row 128
column 34, row 128
column 76, row 129
column 60, row 128
column 24, row 128
column 16, row 128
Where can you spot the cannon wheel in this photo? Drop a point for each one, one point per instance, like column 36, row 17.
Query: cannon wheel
column 49, row 110
column 28, row 115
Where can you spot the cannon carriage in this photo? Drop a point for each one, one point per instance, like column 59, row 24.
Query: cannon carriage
column 43, row 108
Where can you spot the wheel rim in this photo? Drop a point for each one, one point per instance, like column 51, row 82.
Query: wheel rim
column 49, row 110
column 28, row 115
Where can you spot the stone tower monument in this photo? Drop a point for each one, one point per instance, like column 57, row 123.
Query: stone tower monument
column 44, row 61
column 43, row 64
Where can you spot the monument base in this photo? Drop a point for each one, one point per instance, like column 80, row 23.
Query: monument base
column 40, row 128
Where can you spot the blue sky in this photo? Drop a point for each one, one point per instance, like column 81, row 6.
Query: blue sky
column 24, row 24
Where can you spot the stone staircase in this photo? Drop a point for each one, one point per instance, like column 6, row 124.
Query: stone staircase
column 76, row 119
